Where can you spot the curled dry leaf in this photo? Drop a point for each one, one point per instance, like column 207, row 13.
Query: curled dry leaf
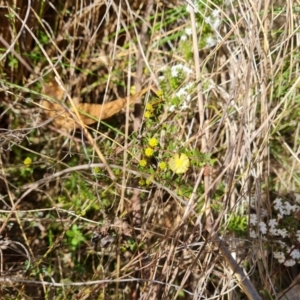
column 64, row 118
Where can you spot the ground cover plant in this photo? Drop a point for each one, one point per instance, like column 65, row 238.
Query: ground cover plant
column 186, row 190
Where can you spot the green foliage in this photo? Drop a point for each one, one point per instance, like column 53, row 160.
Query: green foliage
column 149, row 162
column 130, row 245
column 79, row 196
column 266, row 295
column 75, row 236
column 238, row 224
column 13, row 62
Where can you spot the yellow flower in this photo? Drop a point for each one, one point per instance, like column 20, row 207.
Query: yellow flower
column 147, row 114
column 142, row 182
column 132, row 90
column 162, row 165
column 143, row 163
column 179, row 164
column 153, row 142
column 96, row 170
column 149, row 180
column 27, row 161
column 149, row 152
column 149, row 107
column 159, row 93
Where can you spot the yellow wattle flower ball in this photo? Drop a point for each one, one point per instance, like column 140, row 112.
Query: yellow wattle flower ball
column 143, row 163
column 132, row 90
column 149, row 107
column 147, row 114
column 153, row 142
column 162, row 165
column 149, row 180
column 96, row 171
column 159, row 93
column 27, row 161
column 149, row 152
column 142, row 182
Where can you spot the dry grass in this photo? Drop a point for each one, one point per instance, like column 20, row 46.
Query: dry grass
column 76, row 221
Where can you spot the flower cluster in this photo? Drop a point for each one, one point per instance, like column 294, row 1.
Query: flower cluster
column 184, row 95
column 214, row 19
column 149, row 151
column 147, row 114
column 178, row 163
column 149, row 107
column 176, row 76
column 287, row 252
column 176, row 70
column 148, row 111
column 212, row 22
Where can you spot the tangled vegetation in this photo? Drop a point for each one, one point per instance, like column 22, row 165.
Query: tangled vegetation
column 186, row 190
